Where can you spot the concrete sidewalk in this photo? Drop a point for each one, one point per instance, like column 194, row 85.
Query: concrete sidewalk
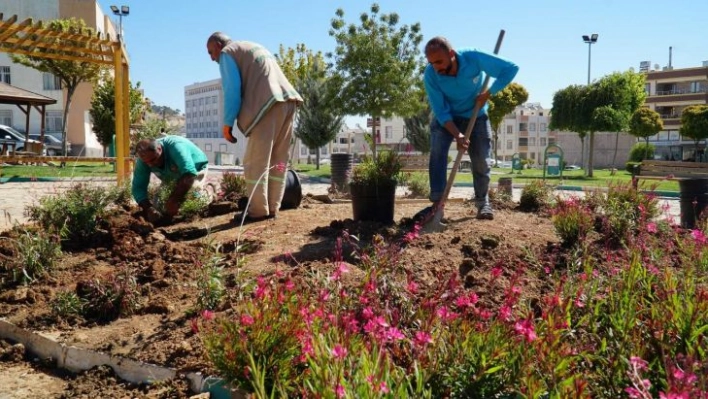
column 15, row 197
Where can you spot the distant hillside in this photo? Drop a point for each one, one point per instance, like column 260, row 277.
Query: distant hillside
column 168, row 112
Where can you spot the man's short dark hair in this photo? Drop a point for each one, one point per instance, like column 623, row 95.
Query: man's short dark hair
column 146, row 145
column 219, row 37
column 437, row 43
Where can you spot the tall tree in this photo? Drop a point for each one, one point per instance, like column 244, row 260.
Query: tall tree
column 501, row 104
column 319, row 120
column 298, row 63
column 71, row 73
column 103, row 108
column 694, row 123
column 418, row 129
column 645, row 123
column 379, row 65
column 605, row 105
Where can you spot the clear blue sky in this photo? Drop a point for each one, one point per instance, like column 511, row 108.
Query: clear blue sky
column 166, row 40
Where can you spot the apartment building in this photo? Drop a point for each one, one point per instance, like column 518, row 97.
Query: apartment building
column 525, row 132
column 79, row 126
column 670, row 91
column 203, row 107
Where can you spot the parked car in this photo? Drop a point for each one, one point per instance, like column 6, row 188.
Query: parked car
column 52, row 144
column 10, row 134
column 572, row 167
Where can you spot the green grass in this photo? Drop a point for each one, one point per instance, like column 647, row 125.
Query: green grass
column 72, row 169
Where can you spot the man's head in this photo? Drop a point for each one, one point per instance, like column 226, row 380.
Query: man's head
column 150, row 152
column 441, row 56
column 216, row 42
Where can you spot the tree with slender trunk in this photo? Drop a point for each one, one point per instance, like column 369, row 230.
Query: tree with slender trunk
column 645, row 123
column 501, row 104
column 71, row 73
column 694, row 123
column 379, row 65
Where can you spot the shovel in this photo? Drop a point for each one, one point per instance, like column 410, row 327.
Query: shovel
column 431, row 217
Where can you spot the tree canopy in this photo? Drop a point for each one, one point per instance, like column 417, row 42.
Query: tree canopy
column 379, row 64
column 71, row 73
column 645, row 123
column 299, row 63
column 103, row 108
column 605, row 105
column 501, row 104
column 694, row 123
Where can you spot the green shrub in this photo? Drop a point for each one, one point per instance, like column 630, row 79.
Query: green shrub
column 116, row 295
column 210, row 285
column 36, row 255
column 232, row 186
column 386, row 166
column 535, row 196
column 630, row 166
column 67, row 303
column 195, row 202
column 572, row 220
column 418, row 185
column 636, row 154
column 74, row 215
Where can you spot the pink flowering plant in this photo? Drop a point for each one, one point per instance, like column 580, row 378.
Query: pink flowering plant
column 625, row 314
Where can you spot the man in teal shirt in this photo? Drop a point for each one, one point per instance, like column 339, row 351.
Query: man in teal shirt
column 171, row 159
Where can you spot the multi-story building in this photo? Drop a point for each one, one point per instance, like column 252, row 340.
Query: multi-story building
column 670, row 91
column 525, row 132
column 203, row 107
column 79, row 127
column 390, row 133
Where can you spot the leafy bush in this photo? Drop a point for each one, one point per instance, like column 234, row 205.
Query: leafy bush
column 195, row 202
column 67, row 303
column 384, row 167
column 636, row 154
column 535, row 196
column 572, row 220
column 418, row 185
column 111, row 298
column 210, row 285
column 232, row 186
column 74, row 215
column 36, row 254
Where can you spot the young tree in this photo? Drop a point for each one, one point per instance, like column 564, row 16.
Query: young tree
column 645, row 123
column 319, row 120
column 379, row 64
column 71, row 73
column 694, row 123
column 418, row 129
column 606, row 105
column 298, row 63
column 501, row 104
column 103, row 109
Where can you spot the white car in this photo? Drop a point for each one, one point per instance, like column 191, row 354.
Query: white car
column 325, row 161
column 7, row 133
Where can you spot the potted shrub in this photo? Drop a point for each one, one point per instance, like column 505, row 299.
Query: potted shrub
column 373, row 187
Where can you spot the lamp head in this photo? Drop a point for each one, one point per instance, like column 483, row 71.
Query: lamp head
column 115, row 10
column 594, row 37
column 126, row 10
column 586, row 38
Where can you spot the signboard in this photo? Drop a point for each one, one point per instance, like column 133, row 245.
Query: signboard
column 644, row 66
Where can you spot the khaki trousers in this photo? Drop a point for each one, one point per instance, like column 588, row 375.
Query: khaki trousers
column 266, row 159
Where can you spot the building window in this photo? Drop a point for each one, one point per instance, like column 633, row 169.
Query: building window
column 532, row 141
column 696, row 87
column 53, row 121
column 222, row 147
column 647, row 88
column 342, row 140
column 303, row 151
column 509, row 144
column 6, row 117
column 542, row 127
column 523, row 127
column 533, row 155
column 389, row 132
column 51, row 82
column 207, row 147
column 509, row 129
column 551, row 140
column 523, row 141
column 543, row 141
column 532, row 127
column 5, row 74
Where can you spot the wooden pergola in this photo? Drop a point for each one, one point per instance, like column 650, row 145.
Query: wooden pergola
column 25, row 101
column 34, row 39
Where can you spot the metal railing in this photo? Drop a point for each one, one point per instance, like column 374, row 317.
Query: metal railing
column 681, row 91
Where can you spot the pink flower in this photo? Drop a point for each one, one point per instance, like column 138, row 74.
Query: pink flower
column 496, row 272
column 246, row 320
column 505, row 312
column 651, row 227
column 525, row 328
column 207, row 315
column 383, row 388
column 394, row 334
column 698, row 236
column 339, row 352
column 339, row 390
column 638, row 363
column 422, row 339
column 289, row 285
column 367, row 313
column 412, row 287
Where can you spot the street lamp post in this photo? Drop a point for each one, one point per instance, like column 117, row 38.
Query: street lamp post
column 120, row 12
column 590, row 40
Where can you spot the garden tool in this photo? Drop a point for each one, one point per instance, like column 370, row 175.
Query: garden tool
column 430, row 218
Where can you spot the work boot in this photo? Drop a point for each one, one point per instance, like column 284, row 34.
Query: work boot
column 485, row 212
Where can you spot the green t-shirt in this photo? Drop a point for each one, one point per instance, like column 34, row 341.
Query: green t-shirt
column 181, row 157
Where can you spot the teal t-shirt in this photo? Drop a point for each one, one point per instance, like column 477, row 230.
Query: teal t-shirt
column 181, row 157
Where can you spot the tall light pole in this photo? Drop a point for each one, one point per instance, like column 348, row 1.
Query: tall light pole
column 590, row 40
column 123, row 11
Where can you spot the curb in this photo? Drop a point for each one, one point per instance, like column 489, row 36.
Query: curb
column 76, row 359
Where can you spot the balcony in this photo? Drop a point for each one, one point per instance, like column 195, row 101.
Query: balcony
column 680, row 90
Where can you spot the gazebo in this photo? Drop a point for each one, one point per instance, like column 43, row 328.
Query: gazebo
column 25, row 100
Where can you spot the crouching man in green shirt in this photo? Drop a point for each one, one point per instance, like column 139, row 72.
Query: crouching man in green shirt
column 171, row 159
